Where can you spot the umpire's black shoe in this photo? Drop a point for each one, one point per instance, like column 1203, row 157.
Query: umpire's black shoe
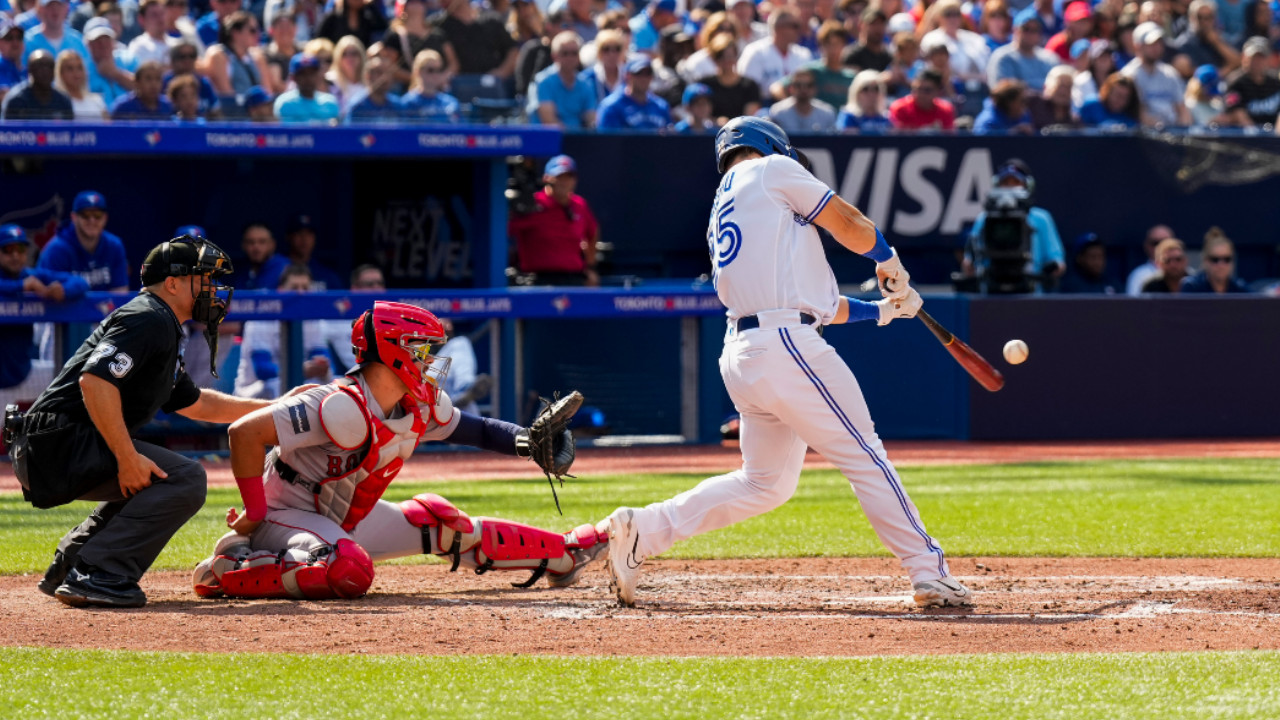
column 87, row 585
column 54, row 576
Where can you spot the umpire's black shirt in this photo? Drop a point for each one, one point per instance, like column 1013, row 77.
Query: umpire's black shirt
column 136, row 349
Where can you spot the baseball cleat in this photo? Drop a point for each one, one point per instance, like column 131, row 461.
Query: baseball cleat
column 943, row 592
column 625, row 557
column 582, row 557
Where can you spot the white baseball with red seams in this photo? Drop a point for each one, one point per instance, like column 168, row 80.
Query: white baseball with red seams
column 792, row 389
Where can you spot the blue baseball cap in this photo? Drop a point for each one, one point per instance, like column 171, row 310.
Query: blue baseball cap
column 661, row 5
column 1084, row 240
column 194, row 231
column 693, row 91
column 12, row 235
column 1080, row 47
column 559, row 165
column 1026, row 15
column 303, row 61
column 255, row 96
column 7, row 26
column 1209, row 80
column 89, row 200
column 639, row 64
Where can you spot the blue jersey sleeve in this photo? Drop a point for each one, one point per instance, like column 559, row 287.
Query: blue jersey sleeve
column 73, row 286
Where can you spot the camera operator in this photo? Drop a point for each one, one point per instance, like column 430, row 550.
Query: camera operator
column 557, row 240
column 1012, row 243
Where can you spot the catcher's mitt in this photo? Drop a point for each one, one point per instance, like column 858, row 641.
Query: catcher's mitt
column 548, row 440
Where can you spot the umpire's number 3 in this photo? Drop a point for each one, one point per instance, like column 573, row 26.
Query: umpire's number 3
column 122, row 362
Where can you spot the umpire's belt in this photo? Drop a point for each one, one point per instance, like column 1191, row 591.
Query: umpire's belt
column 291, row 476
column 751, row 322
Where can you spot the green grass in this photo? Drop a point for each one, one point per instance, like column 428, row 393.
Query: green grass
column 1206, row 508
column 40, row 683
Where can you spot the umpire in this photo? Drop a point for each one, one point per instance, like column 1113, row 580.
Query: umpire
column 75, row 444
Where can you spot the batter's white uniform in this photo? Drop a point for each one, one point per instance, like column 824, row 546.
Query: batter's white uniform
column 791, row 388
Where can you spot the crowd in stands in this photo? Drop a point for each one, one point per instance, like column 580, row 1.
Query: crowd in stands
column 813, row 66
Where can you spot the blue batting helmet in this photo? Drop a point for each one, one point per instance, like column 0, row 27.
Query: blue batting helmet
column 752, row 132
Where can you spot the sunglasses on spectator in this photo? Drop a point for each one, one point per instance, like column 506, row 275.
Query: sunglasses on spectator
column 14, row 249
column 184, row 56
column 91, row 215
column 870, row 88
column 803, row 85
column 788, row 26
column 568, row 53
column 1175, row 258
column 1219, row 259
column 325, row 59
column 433, row 70
column 610, row 48
column 951, row 14
column 352, row 53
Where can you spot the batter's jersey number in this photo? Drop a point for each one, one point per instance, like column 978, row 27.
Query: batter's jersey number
column 725, row 235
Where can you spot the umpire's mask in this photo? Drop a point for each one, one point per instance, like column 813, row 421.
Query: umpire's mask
column 195, row 257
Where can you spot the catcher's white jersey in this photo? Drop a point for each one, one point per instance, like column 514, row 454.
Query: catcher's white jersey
column 765, row 251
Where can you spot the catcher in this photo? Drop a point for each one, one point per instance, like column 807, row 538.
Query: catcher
column 313, row 523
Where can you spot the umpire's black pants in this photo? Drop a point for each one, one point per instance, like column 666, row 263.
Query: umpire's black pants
column 124, row 536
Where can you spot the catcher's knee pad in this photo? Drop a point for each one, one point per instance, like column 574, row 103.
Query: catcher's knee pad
column 230, row 550
column 343, row 570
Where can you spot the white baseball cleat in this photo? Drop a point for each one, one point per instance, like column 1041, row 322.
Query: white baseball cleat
column 625, row 557
column 943, row 592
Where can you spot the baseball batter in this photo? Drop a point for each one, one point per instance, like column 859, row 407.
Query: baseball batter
column 791, row 388
column 314, row 522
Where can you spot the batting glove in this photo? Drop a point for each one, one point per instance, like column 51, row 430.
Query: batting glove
column 893, row 277
column 892, row 309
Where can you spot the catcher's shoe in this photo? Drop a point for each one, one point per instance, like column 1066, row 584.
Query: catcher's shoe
column 943, row 592
column 625, row 557
column 582, row 556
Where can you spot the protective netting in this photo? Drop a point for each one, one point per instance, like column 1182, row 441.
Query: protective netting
column 1193, row 161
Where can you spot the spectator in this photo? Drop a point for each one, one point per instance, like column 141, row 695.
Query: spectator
column 535, row 55
column 237, row 63
column 634, row 107
column 558, row 241
column 1088, row 272
column 605, row 76
column 260, row 105
column 53, row 34
column 322, row 50
column 301, row 235
column 1171, row 261
column 1047, row 11
column 337, row 333
column 732, row 94
column 869, row 52
column 777, row 56
column 525, row 21
column 353, row 18
column 1231, row 19
column 563, row 97
column 1078, row 25
column 832, row 78
column 1100, row 66
column 967, row 50
column 379, row 105
column 262, row 266
column 937, row 56
column 1204, row 99
column 283, row 46
column 22, row 375
column 1254, row 89
column 1116, row 106
column 1148, row 269
column 1047, row 257
column 463, row 385
column 210, row 26
column 1005, row 111
column 1259, row 20
column 1160, row 88
column 178, row 25
column 996, row 24
column 923, row 109
column 425, row 102
column 184, row 95
column 85, row 248
column 803, row 113
column 154, row 42
column 1053, row 108
column 409, row 35
column 1023, row 59
column 182, row 61
column 865, row 110
column 581, row 17
column 700, row 64
column 1219, row 261
column 697, row 111
column 12, row 47
column 750, row 29
column 674, row 45
column 902, row 70
column 480, row 40
column 646, row 26
column 73, row 81
column 110, row 66
column 258, row 375
column 145, row 102
column 306, row 16
column 305, row 103
column 346, row 77
column 1202, row 43
column 37, row 99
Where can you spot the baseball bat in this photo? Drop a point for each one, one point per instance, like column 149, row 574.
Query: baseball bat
column 973, row 363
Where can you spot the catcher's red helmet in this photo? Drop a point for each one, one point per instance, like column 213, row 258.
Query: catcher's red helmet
column 404, row 338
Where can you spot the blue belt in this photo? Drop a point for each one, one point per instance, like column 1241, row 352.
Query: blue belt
column 751, row 322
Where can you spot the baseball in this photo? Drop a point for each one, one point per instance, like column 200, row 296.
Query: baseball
column 1015, row 352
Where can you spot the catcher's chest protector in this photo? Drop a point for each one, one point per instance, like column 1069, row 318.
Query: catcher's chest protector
column 348, row 498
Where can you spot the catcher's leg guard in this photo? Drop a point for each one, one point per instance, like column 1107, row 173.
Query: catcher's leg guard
column 230, row 550
column 342, row 570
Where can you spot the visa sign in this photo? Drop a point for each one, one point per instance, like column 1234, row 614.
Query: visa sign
column 919, row 193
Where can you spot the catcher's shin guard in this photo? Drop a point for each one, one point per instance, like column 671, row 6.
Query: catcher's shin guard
column 493, row 544
column 342, row 570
